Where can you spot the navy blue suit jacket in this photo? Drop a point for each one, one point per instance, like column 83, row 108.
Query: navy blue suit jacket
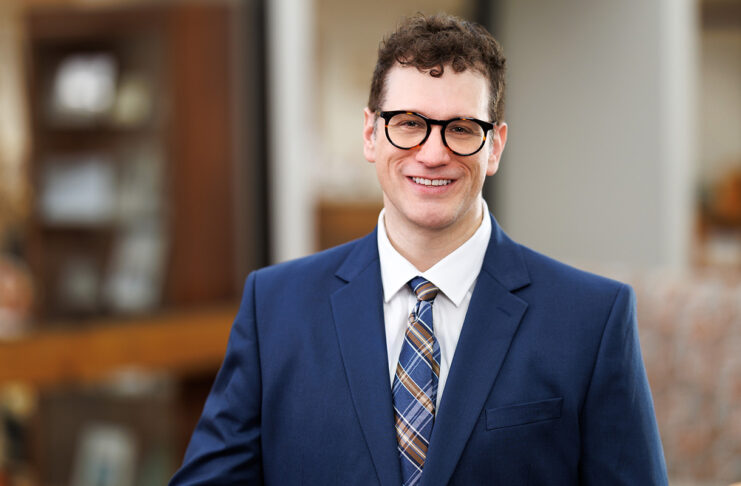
column 547, row 385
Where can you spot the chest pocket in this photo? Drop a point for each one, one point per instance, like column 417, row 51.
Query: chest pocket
column 523, row 413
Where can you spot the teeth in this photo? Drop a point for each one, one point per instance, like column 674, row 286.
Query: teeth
column 432, row 182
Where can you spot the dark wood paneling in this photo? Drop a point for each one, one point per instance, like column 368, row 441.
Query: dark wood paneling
column 202, row 234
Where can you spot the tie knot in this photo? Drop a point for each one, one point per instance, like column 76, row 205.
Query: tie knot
column 424, row 289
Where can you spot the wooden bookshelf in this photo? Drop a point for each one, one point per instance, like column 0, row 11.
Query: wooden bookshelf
column 181, row 58
column 196, row 158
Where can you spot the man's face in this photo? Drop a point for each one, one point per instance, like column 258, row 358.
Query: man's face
column 453, row 204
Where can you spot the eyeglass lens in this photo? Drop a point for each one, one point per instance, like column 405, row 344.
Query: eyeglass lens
column 407, row 130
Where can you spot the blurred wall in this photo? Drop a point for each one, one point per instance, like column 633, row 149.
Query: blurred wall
column 600, row 158
column 292, row 126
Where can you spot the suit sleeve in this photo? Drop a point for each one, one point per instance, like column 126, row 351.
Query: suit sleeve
column 225, row 446
column 620, row 438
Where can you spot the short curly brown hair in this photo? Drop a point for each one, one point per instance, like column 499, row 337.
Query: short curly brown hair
column 430, row 43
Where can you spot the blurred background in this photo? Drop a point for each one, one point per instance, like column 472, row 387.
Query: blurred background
column 152, row 153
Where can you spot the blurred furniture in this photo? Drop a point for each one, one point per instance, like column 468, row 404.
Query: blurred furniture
column 148, row 212
column 718, row 235
column 133, row 159
column 179, row 342
column 340, row 222
column 145, row 377
column 690, row 328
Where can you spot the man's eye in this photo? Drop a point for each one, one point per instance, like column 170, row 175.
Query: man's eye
column 408, row 122
column 461, row 129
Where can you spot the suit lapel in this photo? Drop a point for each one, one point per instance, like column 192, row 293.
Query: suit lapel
column 358, row 315
column 491, row 322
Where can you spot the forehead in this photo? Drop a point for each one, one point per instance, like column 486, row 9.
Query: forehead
column 452, row 94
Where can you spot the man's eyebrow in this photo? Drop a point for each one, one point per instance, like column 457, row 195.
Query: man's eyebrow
column 419, row 112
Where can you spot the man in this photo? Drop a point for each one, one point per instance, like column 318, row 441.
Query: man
column 435, row 350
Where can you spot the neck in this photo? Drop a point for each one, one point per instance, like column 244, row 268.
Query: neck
column 424, row 247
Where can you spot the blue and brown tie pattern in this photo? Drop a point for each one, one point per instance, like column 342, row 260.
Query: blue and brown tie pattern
column 415, row 384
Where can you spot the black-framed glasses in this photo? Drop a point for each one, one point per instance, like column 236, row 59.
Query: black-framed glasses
column 407, row 130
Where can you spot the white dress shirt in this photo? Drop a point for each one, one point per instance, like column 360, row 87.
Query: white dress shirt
column 455, row 276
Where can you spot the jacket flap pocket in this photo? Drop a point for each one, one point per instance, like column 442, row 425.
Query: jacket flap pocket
column 523, row 413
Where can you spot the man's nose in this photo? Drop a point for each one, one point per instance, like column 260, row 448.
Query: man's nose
column 434, row 152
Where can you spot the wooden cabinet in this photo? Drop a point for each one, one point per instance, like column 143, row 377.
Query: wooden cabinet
column 148, row 175
column 134, row 164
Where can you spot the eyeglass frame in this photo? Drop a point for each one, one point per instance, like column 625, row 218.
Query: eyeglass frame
column 388, row 115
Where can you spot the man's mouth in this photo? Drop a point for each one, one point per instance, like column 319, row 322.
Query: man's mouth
column 432, row 182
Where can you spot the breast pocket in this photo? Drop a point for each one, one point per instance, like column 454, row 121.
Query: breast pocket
column 523, row 413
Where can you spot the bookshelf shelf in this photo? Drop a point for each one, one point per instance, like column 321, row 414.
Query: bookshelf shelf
column 181, row 341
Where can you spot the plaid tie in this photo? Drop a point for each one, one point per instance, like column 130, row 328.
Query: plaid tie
column 415, row 384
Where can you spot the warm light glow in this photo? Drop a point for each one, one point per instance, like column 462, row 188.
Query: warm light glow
column 13, row 127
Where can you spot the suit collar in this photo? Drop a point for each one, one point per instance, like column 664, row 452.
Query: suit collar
column 364, row 252
column 491, row 323
column 504, row 261
column 357, row 308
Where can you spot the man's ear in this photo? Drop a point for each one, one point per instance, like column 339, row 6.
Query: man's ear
column 369, row 135
column 498, row 141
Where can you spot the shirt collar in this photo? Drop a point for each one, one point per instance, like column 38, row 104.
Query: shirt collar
column 453, row 275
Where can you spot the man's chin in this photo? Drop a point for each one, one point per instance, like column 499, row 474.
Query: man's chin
column 433, row 221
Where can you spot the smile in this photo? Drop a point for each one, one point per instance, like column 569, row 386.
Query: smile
column 432, row 182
